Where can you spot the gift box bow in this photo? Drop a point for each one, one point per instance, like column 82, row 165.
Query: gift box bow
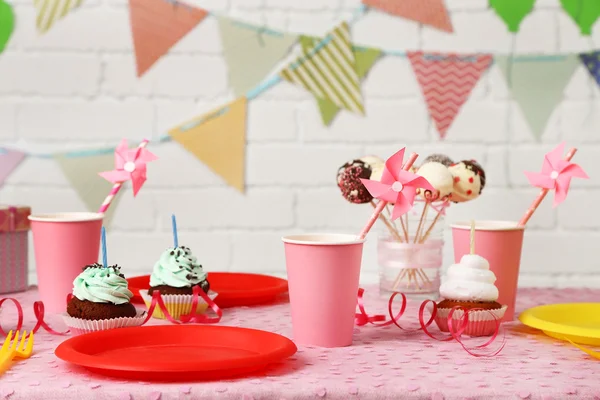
column 14, row 219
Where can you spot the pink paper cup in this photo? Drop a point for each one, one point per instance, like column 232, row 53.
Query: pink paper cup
column 500, row 242
column 63, row 244
column 323, row 273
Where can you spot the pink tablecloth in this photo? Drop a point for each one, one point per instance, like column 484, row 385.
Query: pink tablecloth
column 383, row 363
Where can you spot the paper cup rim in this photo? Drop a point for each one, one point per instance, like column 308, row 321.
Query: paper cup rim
column 66, row 217
column 489, row 225
column 323, row 239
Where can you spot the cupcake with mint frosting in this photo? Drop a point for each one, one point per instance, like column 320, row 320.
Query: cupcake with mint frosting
column 177, row 271
column 101, row 300
column 175, row 275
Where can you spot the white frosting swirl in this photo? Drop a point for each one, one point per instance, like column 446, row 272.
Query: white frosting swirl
column 470, row 280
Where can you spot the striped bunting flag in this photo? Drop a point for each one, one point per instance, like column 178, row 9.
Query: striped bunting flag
column 329, row 71
column 447, row 81
column 50, row 11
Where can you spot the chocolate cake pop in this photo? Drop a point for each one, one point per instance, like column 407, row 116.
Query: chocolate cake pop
column 348, row 180
column 438, row 175
column 469, row 180
column 440, row 158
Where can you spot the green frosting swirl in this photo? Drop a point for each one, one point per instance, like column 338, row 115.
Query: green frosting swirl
column 177, row 267
column 102, row 285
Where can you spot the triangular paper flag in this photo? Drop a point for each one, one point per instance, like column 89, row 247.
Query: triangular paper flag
column 156, row 25
column 512, row 12
column 427, row 12
column 364, row 58
column 82, row 174
column 584, row 13
column 329, row 71
column 218, row 139
column 7, row 23
column 592, row 63
column 9, row 161
column 537, row 86
column 50, row 11
column 447, row 81
column 251, row 53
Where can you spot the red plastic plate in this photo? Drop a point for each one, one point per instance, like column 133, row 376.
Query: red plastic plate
column 176, row 352
column 235, row 289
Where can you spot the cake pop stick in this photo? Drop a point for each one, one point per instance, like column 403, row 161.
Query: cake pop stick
column 542, row 195
column 387, row 223
column 413, row 157
column 435, row 220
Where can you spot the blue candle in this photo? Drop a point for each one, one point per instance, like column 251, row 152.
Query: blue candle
column 174, row 225
column 104, row 255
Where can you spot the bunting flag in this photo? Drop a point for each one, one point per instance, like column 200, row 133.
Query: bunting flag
column 427, row 12
column 251, row 52
column 512, row 12
column 92, row 189
column 537, row 86
column 592, row 63
column 447, row 81
column 157, row 25
column 584, row 13
column 9, row 161
column 365, row 58
column 218, row 139
column 329, row 71
column 7, row 23
column 50, row 11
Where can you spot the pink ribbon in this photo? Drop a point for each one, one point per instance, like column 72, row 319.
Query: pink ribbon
column 192, row 317
column 362, row 318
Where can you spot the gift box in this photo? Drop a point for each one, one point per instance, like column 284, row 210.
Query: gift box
column 14, row 237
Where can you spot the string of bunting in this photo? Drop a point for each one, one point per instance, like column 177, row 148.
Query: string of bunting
column 329, row 67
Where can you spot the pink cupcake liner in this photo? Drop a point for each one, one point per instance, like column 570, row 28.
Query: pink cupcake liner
column 481, row 323
column 79, row 326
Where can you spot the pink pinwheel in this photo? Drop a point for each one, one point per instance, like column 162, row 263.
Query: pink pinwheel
column 556, row 174
column 129, row 164
column 397, row 185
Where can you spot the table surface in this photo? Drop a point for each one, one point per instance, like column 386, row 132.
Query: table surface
column 383, row 363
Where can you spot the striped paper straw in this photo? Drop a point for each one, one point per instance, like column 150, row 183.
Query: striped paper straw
column 116, row 187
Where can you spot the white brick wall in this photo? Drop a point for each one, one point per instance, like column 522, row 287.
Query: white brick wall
column 75, row 87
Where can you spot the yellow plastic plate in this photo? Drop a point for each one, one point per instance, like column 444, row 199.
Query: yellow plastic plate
column 573, row 322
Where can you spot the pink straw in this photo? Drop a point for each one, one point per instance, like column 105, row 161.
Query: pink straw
column 542, row 194
column 411, row 160
column 117, row 186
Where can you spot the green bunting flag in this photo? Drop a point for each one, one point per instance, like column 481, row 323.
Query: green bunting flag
column 512, row 12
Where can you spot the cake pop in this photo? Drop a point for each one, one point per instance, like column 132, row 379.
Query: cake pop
column 348, row 180
column 439, row 176
column 440, row 158
column 469, row 180
column 376, row 164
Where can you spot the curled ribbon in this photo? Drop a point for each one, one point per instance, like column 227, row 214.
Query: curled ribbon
column 456, row 326
column 38, row 312
column 193, row 316
column 157, row 301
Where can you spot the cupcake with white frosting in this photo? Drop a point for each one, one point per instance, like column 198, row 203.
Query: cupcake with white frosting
column 175, row 275
column 469, row 287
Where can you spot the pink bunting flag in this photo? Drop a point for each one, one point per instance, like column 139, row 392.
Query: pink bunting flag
column 9, row 161
column 427, row 12
column 447, row 81
column 157, row 25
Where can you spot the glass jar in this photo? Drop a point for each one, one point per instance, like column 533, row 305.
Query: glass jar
column 412, row 266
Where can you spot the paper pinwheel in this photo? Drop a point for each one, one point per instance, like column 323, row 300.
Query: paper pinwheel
column 129, row 164
column 556, row 174
column 397, row 186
